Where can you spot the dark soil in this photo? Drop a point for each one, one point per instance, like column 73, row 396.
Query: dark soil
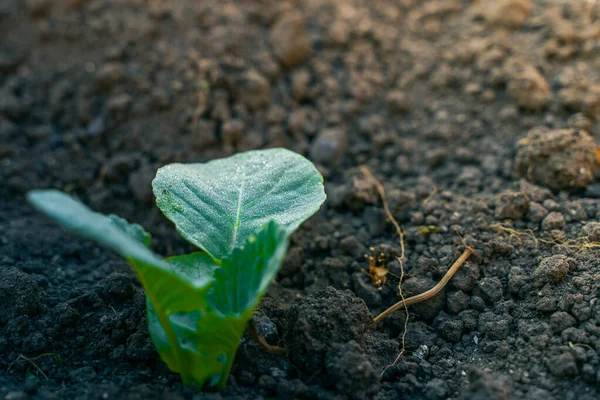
column 473, row 116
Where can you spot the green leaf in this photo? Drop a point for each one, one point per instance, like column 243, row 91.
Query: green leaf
column 170, row 287
column 160, row 279
column 219, row 204
column 193, row 267
column 134, row 231
column 112, row 232
column 209, row 338
column 246, row 273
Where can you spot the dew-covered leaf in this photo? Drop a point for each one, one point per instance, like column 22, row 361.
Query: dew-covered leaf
column 219, row 204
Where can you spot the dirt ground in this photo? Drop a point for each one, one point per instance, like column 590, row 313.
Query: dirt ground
column 479, row 118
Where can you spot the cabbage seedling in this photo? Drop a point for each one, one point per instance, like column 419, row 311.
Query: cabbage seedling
column 240, row 211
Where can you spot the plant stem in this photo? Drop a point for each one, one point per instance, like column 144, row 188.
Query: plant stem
column 431, row 292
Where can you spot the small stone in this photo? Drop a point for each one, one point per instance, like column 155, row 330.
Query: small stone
column 350, row 245
column 558, row 159
column 491, row 289
column 507, row 13
column 457, row 302
column 536, row 212
column 339, row 33
column 451, row 330
column 591, row 231
column 560, row 320
column 563, row 365
column 511, row 205
column 467, row 276
column 110, row 74
column 495, row 327
column 527, row 86
column 535, row 193
column 554, row 220
column 552, row 270
column 329, row 147
column 289, row 40
column 517, row 281
column 265, row 327
column 255, row 90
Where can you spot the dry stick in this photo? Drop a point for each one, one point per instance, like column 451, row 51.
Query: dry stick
column 253, row 333
column 431, row 292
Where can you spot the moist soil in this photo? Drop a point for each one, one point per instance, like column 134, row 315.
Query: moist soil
column 479, row 119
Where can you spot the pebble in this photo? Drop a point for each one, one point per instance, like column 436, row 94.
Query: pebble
column 559, row 159
column 511, row 205
column 554, row 220
column 289, row 40
column 563, row 365
column 536, row 212
column 560, row 320
column 110, row 74
column 551, row 270
column 329, row 147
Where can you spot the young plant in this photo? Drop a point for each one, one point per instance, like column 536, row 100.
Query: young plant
column 240, row 211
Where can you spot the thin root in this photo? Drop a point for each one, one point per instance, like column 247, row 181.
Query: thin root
column 367, row 173
column 30, row 361
column 403, row 339
column 518, row 235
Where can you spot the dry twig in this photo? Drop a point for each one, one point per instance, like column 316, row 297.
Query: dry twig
column 431, row 292
column 254, row 335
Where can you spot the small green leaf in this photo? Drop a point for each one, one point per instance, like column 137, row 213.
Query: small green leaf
column 219, row 204
column 209, row 338
column 246, row 273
